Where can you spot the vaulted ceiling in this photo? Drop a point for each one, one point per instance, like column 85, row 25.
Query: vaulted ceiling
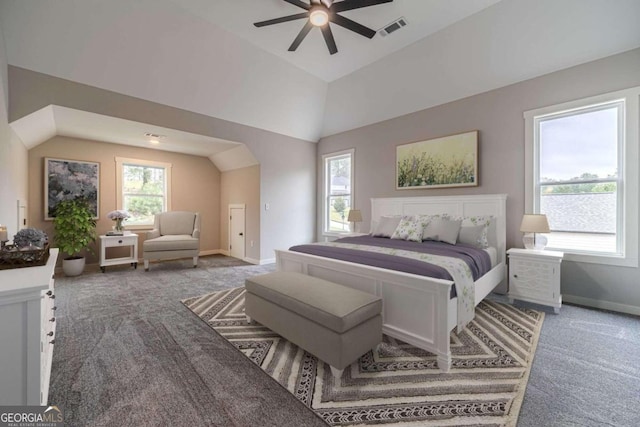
column 206, row 56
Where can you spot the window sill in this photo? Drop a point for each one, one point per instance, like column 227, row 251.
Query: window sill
column 619, row 261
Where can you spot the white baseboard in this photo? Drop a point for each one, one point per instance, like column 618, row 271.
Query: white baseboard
column 213, row 252
column 260, row 261
column 267, row 261
column 604, row 305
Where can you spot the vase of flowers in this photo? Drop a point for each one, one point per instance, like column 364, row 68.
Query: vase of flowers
column 118, row 216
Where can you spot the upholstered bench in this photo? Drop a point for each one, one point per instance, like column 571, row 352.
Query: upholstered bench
column 334, row 323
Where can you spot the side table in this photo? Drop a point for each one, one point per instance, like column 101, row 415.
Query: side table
column 534, row 276
column 130, row 240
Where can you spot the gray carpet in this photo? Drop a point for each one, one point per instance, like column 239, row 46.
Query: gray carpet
column 129, row 353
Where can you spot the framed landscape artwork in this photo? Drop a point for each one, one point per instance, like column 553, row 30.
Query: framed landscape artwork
column 70, row 179
column 449, row 161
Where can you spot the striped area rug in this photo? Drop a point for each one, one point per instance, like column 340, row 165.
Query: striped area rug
column 398, row 385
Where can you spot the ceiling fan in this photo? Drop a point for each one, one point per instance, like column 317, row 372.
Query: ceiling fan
column 319, row 13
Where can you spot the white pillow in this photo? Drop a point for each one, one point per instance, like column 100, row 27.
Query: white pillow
column 484, row 221
column 386, row 226
column 443, row 230
column 426, row 219
column 409, row 228
column 473, row 235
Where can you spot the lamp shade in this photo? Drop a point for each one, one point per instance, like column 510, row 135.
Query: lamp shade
column 355, row 215
column 534, row 223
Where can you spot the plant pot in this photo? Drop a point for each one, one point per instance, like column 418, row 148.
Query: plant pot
column 73, row 266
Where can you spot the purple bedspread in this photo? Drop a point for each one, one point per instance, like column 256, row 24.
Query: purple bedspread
column 477, row 259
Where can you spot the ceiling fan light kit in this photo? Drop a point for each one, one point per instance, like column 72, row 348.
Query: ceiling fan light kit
column 319, row 14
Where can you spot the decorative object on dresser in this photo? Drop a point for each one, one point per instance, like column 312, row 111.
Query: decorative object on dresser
column 70, row 179
column 450, row 161
column 75, row 230
column 534, row 276
column 115, row 241
column 175, row 235
column 4, row 237
column 354, row 216
column 533, row 224
column 28, row 312
column 30, row 248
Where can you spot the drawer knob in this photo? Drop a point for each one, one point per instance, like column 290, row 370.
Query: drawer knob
column 119, row 241
column 54, row 308
column 515, row 276
column 49, row 293
column 52, row 296
column 53, row 319
column 52, row 342
column 50, row 334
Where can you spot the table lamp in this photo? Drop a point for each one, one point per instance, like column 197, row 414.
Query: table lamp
column 354, row 216
column 532, row 224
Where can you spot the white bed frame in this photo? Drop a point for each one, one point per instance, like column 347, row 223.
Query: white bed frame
column 416, row 309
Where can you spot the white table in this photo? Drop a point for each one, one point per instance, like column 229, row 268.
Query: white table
column 130, row 240
column 534, row 276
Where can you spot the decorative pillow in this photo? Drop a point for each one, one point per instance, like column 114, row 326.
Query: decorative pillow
column 483, row 221
column 386, row 226
column 409, row 228
column 473, row 235
column 443, row 230
column 426, row 219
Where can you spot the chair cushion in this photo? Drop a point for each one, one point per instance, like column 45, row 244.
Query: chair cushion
column 178, row 242
column 334, row 306
column 177, row 223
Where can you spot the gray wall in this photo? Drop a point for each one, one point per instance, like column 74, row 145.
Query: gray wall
column 287, row 165
column 498, row 115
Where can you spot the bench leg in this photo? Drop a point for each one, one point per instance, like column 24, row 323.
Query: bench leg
column 250, row 321
column 444, row 363
column 337, row 373
column 146, row 265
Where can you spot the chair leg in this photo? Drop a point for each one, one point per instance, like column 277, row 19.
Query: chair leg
column 146, row 265
column 195, row 261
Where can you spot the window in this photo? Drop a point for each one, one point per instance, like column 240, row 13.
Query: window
column 143, row 189
column 338, row 191
column 582, row 174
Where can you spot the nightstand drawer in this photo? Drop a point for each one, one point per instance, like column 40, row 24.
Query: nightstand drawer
column 115, row 241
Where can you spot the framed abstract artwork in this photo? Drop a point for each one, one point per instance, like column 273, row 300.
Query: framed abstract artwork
column 70, row 179
column 449, row 161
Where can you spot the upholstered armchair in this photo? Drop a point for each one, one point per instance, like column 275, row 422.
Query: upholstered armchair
column 174, row 235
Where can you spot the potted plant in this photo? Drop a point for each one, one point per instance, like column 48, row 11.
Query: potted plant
column 74, row 229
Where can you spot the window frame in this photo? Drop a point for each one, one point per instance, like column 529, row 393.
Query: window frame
column 326, row 175
column 120, row 163
column 627, row 181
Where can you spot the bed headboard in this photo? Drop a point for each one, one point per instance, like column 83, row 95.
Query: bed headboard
column 475, row 205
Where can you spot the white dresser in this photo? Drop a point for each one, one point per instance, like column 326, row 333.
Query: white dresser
column 27, row 333
column 534, row 276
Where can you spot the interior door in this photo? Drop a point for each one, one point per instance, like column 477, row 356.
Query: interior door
column 236, row 231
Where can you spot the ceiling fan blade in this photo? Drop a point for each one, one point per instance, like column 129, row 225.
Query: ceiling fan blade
column 301, row 35
column 352, row 25
column 355, row 4
column 299, row 3
column 328, row 38
column 283, row 19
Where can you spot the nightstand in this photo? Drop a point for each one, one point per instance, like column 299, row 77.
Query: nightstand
column 534, row 276
column 127, row 240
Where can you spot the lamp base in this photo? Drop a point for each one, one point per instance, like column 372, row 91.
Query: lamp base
column 534, row 241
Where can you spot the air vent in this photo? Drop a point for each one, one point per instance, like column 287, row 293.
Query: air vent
column 394, row 26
